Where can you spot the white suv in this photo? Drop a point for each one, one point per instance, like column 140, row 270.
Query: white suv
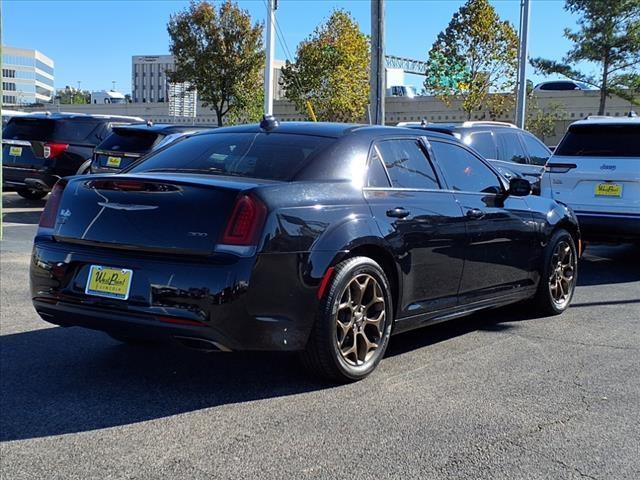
column 596, row 171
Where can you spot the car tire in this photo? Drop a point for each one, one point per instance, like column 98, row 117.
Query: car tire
column 85, row 168
column 31, row 194
column 353, row 325
column 558, row 275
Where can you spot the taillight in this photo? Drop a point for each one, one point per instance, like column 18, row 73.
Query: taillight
column 52, row 150
column 559, row 167
column 245, row 221
column 50, row 212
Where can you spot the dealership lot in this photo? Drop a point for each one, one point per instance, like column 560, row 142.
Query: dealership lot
column 496, row 395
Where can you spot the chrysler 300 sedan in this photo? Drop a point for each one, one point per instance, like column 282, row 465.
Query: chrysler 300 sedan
column 320, row 238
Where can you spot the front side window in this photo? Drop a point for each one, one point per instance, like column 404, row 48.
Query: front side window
column 464, row 171
column 407, row 164
column 538, row 153
column 509, row 148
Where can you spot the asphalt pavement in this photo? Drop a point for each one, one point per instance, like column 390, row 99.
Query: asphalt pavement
column 499, row 395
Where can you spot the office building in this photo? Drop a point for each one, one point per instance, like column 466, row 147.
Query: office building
column 27, row 77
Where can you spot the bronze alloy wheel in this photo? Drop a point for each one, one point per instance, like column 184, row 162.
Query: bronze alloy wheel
column 360, row 319
column 562, row 273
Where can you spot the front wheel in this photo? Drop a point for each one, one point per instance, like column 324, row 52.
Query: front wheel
column 559, row 274
column 31, row 193
column 352, row 329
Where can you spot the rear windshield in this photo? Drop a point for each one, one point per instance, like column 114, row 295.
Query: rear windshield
column 43, row 129
column 601, row 141
column 133, row 141
column 271, row 156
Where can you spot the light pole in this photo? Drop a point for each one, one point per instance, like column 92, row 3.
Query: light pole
column 522, row 64
column 377, row 75
column 272, row 6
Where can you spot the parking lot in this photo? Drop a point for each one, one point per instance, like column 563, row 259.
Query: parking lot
column 496, row 395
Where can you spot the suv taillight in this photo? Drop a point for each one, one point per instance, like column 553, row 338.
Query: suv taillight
column 50, row 212
column 559, row 167
column 245, row 221
column 52, row 150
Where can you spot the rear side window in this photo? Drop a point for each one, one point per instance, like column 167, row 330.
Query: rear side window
column 483, row 143
column 43, row 129
column 133, row 141
column 407, row 164
column 464, row 171
column 509, row 148
column 538, row 153
column 601, row 141
column 271, row 156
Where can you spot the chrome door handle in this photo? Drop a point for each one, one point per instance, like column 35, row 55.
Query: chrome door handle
column 398, row 212
column 474, row 213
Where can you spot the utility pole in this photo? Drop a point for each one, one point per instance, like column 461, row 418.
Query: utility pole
column 272, row 6
column 113, row 85
column 522, row 64
column 377, row 75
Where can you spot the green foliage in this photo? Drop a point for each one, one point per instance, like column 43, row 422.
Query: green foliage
column 220, row 53
column 331, row 71
column 477, row 54
column 609, row 37
column 69, row 95
column 542, row 121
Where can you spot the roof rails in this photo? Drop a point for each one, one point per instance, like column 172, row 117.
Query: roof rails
column 598, row 117
column 470, row 123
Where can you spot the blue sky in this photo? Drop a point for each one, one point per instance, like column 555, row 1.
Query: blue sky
column 93, row 41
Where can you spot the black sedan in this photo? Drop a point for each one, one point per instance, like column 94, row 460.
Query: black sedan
column 318, row 238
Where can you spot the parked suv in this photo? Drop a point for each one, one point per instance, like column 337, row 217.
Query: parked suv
column 596, row 171
column 128, row 143
column 39, row 149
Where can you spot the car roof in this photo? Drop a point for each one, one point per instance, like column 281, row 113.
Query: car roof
column 597, row 120
column 81, row 116
column 164, row 128
column 324, row 129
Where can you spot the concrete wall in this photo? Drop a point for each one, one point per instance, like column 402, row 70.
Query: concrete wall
column 576, row 105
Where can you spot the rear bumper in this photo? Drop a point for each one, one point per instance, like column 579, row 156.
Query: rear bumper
column 609, row 227
column 233, row 303
column 13, row 177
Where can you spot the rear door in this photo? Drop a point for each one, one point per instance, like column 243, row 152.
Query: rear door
column 422, row 222
column 596, row 168
column 501, row 251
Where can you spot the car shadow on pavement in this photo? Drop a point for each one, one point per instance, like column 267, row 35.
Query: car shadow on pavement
column 609, row 264
column 28, row 218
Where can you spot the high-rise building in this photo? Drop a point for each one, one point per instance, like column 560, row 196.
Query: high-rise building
column 149, row 78
column 27, row 77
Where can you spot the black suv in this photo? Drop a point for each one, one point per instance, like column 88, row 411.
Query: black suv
column 39, row 149
column 128, row 143
column 512, row 151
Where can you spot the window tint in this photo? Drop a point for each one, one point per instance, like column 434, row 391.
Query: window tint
column 510, row 148
column 43, row 129
column 558, row 86
column 133, row 141
column 483, row 143
column 407, row 165
column 376, row 175
column 601, row 141
column 272, row 156
column 465, row 171
column 538, row 153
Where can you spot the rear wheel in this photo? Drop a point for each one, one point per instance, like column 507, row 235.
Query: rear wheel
column 558, row 276
column 353, row 326
column 31, row 193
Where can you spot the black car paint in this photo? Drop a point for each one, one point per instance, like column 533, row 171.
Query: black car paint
column 35, row 171
column 441, row 263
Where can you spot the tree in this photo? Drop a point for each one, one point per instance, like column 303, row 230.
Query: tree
column 609, row 37
column 331, row 71
column 475, row 56
column 542, row 121
column 69, row 95
column 220, row 53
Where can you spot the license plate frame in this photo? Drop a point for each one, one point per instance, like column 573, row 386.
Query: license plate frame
column 608, row 189
column 114, row 288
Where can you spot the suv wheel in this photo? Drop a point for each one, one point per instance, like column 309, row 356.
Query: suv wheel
column 559, row 274
column 31, row 194
column 353, row 325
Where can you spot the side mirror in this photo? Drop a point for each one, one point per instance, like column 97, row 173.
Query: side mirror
column 519, row 187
